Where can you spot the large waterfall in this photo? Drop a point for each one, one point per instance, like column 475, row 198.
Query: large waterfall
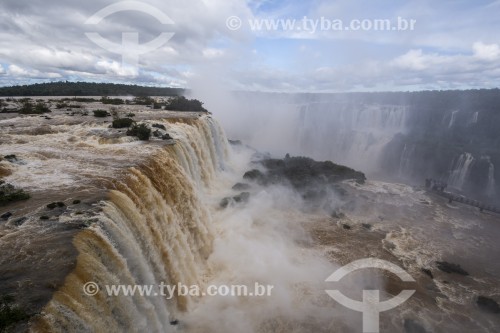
column 350, row 133
column 153, row 228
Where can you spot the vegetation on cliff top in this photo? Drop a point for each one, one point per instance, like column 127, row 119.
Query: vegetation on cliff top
column 86, row 89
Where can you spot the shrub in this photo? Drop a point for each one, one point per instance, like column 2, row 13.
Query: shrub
column 143, row 100
column 122, row 122
column 38, row 108
column 10, row 314
column 142, row 131
column 9, row 193
column 113, row 101
column 101, row 113
column 61, row 105
column 181, row 103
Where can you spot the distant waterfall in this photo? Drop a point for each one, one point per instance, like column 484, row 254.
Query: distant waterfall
column 452, row 118
column 460, row 171
column 154, row 228
column 474, row 118
column 349, row 133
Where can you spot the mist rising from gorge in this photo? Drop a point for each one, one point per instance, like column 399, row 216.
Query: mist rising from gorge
column 450, row 136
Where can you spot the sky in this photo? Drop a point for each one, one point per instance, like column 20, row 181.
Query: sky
column 454, row 44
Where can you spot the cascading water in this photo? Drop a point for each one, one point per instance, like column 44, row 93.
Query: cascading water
column 154, row 228
column 354, row 135
column 460, row 171
column 452, row 118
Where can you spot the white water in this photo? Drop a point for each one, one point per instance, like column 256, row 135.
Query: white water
column 452, row 118
column 460, row 171
column 350, row 135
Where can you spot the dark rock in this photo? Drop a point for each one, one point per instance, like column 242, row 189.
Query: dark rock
column 11, row 158
column 235, row 142
column 224, row 202
column 451, row 268
column 301, row 172
column 52, row 205
column 411, row 326
column 6, row 216
column 487, row 304
column 76, row 202
column 166, row 136
column 174, row 322
column 241, row 186
column 44, row 217
column 366, row 226
column 160, row 126
column 346, row 226
column 20, row 221
column 242, row 197
column 427, row 272
column 255, row 175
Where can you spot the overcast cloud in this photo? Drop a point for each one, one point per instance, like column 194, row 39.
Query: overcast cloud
column 455, row 44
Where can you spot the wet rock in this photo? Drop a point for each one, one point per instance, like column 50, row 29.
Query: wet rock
column 346, row 226
column 241, row 186
column 166, row 136
column 160, row 126
column 174, row 322
column 451, row 268
column 53, row 205
column 20, row 221
column 235, row 142
column 427, row 272
column 6, row 216
column 224, row 202
column 255, row 175
column 76, row 202
column 411, row 326
column 487, row 304
column 242, row 197
column 11, row 158
column 44, row 217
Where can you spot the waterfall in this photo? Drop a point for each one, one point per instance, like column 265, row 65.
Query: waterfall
column 348, row 133
column 452, row 118
column 460, row 171
column 153, row 228
column 474, row 118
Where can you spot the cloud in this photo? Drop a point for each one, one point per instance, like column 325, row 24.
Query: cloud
column 452, row 45
column 488, row 52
